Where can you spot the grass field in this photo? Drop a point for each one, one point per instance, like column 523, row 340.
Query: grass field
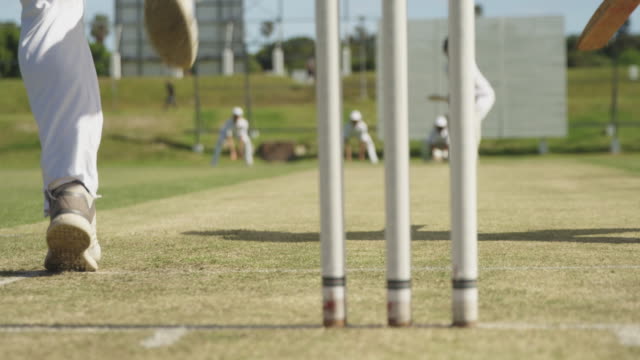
column 137, row 129
column 231, row 270
column 224, row 262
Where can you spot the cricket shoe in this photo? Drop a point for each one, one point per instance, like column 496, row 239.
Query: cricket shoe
column 71, row 236
column 172, row 29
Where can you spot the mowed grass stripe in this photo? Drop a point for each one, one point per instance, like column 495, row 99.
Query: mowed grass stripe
column 126, row 186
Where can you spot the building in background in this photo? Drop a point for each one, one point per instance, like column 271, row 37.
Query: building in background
column 221, row 31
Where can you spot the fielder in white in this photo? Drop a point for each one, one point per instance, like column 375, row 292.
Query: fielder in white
column 236, row 126
column 438, row 140
column 485, row 96
column 359, row 128
column 62, row 85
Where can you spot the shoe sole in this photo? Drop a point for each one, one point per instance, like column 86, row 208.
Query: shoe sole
column 172, row 30
column 69, row 238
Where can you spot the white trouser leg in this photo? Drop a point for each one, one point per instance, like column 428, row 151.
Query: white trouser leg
column 482, row 108
column 218, row 150
column 371, row 150
column 248, row 150
column 62, row 85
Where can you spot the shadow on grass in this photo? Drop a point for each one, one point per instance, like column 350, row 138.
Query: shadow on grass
column 24, row 273
column 593, row 236
column 156, row 140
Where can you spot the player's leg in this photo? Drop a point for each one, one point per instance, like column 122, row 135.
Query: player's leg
column 240, row 148
column 233, row 154
column 61, row 82
column 436, row 154
column 361, row 151
column 371, row 148
column 220, row 144
column 347, row 151
column 371, row 151
column 248, row 149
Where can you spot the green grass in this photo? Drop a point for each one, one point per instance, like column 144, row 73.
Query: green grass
column 127, row 185
column 627, row 162
column 238, row 266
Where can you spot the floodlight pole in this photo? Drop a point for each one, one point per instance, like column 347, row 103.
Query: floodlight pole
column 346, row 48
column 464, row 158
column 247, row 87
column 197, row 146
column 328, row 93
column 363, row 60
column 614, row 147
column 396, row 158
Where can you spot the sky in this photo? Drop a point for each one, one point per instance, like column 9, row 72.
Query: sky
column 298, row 14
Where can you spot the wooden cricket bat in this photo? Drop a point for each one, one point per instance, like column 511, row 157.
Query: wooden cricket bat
column 609, row 17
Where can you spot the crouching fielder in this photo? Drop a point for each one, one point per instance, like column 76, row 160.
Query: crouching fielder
column 239, row 126
column 438, row 141
column 359, row 128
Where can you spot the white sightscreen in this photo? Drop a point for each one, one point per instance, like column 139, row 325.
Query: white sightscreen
column 524, row 58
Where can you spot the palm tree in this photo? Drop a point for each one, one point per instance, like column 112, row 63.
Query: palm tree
column 100, row 28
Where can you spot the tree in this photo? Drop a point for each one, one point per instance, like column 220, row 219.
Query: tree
column 479, row 10
column 361, row 38
column 9, row 42
column 266, row 29
column 298, row 50
column 100, row 28
column 101, row 58
column 630, row 57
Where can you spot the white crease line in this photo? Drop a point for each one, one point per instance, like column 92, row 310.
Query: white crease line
column 163, row 338
column 25, row 275
column 10, row 280
column 317, row 271
column 627, row 334
column 77, row 328
column 578, row 267
column 415, row 269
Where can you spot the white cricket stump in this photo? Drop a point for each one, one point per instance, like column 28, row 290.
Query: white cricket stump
column 399, row 303
column 463, row 163
column 396, row 150
column 332, row 234
column 334, row 302
column 465, row 303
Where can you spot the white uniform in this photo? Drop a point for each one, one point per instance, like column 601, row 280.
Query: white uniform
column 361, row 131
column 485, row 98
column 239, row 129
column 62, row 84
column 438, row 138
